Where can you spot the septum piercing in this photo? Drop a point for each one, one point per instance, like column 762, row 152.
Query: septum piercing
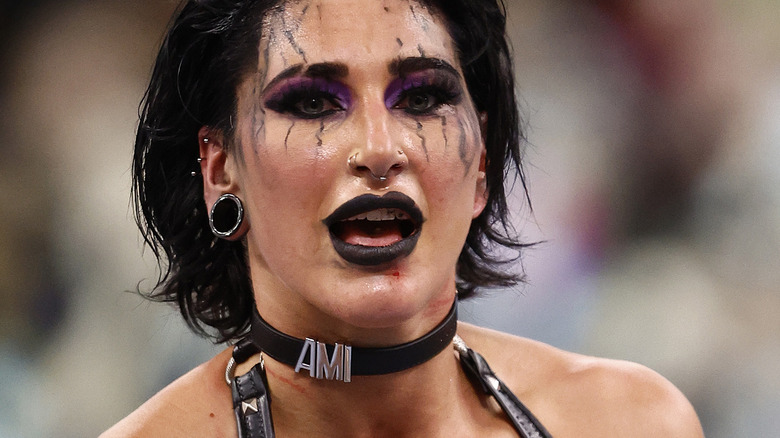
column 351, row 161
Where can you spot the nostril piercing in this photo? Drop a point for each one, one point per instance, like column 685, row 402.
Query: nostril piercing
column 351, row 161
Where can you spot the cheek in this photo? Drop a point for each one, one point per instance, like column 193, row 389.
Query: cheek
column 294, row 167
column 449, row 177
column 450, row 141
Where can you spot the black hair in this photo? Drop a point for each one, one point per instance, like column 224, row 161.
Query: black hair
column 209, row 48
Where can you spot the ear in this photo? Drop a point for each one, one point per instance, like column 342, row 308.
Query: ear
column 219, row 169
column 481, row 193
column 483, row 121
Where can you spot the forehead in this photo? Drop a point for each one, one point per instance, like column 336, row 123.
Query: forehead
column 359, row 33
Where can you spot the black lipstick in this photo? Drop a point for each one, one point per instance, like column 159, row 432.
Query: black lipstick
column 363, row 255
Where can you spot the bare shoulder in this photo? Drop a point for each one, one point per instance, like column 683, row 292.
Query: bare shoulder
column 198, row 403
column 576, row 395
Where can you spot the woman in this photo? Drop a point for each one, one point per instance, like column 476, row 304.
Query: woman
column 330, row 174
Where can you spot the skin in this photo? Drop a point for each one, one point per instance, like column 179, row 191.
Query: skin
column 298, row 169
column 292, row 172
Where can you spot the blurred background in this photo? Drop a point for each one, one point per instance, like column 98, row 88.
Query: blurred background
column 654, row 144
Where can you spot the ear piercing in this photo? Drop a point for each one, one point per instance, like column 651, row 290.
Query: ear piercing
column 199, row 160
column 205, row 141
column 226, row 216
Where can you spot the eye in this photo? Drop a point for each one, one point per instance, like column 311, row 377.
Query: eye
column 420, row 102
column 316, row 106
column 424, row 100
column 307, row 99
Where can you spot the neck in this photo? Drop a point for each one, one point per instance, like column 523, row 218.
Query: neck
column 306, row 406
column 302, row 406
column 341, row 361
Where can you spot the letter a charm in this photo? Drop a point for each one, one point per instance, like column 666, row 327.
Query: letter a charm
column 309, row 349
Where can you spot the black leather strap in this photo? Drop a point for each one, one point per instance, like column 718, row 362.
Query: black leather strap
column 524, row 421
column 252, row 404
column 365, row 361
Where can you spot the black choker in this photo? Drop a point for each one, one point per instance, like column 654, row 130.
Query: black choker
column 341, row 362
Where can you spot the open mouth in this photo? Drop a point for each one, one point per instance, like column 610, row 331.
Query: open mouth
column 372, row 230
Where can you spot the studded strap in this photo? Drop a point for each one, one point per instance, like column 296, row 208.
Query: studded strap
column 478, row 370
column 252, row 402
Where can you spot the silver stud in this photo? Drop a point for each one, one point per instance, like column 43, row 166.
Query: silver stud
column 249, row 405
column 493, row 382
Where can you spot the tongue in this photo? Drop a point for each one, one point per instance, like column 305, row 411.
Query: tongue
column 370, row 233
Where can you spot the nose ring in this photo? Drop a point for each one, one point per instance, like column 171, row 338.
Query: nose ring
column 352, row 162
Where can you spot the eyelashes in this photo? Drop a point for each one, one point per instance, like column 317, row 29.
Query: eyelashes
column 422, row 94
column 418, row 94
column 426, row 100
column 309, row 98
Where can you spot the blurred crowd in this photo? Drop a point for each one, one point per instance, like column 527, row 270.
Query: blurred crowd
column 653, row 147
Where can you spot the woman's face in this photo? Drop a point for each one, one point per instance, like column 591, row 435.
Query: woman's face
column 357, row 155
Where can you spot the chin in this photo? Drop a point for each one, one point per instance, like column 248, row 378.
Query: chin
column 387, row 299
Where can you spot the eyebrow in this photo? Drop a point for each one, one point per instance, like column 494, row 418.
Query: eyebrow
column 406, row 66
column 324, row 70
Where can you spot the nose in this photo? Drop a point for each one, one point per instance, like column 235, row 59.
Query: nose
column 378, row 154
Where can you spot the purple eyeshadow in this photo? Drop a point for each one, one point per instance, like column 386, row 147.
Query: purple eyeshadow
column 296, row 85
column 428, row 78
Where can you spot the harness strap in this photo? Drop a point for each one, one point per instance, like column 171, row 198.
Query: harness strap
column 252, row 402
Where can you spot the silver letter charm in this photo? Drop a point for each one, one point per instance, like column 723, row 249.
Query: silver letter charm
column 338, row 367
column 310, row 349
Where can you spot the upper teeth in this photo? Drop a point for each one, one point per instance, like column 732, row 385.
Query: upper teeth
column 381, row 214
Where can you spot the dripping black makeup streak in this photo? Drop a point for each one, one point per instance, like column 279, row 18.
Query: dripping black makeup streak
column 422, row 138
column 258, row 114
column 467, row 155
column 462, row 142
column 286, row 137
column 420, row 49
column 444, row 132
column 422, row 21
column 400, row 43
column 319, row 133
column 273, row 40
column 291, row 39
column 239, row 147
column 264, row 69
